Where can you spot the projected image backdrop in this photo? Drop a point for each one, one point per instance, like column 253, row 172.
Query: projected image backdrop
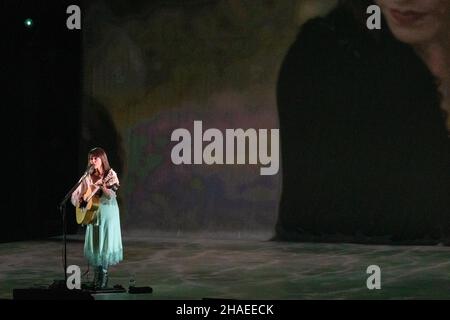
column 150, row 68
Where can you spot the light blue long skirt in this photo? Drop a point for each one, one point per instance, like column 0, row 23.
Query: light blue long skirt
column 103, row 240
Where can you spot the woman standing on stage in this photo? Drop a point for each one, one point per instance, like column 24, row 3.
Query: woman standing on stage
column 103, row 240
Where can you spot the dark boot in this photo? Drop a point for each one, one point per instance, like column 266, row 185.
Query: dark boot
column 104, row 282
column 98, row 277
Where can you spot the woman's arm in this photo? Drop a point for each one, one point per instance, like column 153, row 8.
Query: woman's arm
column 109, row 193
column 109, row 184
column 78, row 193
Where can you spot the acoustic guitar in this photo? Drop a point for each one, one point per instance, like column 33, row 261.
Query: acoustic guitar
column 86, row 211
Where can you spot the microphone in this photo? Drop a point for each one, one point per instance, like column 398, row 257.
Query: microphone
column 88, row 171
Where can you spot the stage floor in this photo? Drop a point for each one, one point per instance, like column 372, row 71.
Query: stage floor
column 197, row 267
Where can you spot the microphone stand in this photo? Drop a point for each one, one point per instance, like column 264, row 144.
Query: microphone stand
column 62, row 208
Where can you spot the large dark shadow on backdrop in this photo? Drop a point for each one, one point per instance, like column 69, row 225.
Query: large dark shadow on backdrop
column 41, row 112
column 98, row 130
column 365, row 151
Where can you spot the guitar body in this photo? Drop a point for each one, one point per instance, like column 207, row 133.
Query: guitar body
column 88, row 214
